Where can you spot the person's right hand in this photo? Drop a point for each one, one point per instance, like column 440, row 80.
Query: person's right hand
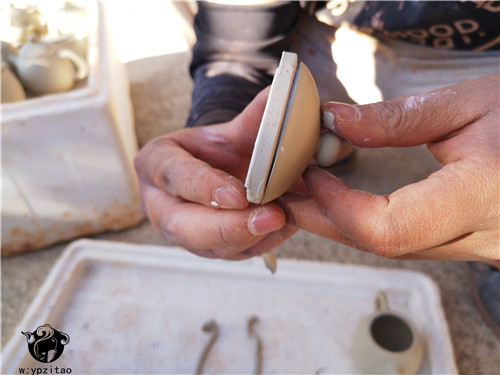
column 191, row 189
column 452, row 214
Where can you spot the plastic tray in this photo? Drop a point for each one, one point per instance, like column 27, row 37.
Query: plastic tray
column 139, row 309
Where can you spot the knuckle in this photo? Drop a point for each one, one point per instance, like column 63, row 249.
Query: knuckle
column 165, row 175
column 168, row 227
column 398, row 120
column 386, row 238
column 222, row 237
column 139, row 162
column 226, row 241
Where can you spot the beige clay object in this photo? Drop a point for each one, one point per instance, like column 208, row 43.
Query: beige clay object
column 288, row 138
column 44, row 69
column 328, row 150
column 386, row 342
column 288, row 134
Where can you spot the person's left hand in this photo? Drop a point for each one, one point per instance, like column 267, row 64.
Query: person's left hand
column 192, row 190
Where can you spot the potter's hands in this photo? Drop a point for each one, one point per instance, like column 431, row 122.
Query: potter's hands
column 191, row 189
column 453, row 214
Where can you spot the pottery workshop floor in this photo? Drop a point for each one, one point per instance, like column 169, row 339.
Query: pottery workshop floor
column 160, row 91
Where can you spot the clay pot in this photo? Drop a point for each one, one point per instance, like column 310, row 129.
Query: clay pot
column 44, row 69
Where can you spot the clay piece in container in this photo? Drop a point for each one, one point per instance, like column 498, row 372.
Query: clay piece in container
column 44, row 69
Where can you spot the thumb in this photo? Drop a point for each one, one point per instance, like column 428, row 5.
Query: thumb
column 412, row 120
column 242, row 130
column 248, row 121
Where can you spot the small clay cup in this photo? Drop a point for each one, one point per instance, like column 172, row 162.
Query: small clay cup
column 386, row 342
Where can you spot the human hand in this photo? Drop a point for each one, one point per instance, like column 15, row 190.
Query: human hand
column 191, row 189
column 453, row 214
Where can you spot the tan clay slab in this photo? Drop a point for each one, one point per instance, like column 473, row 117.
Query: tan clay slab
column 299, row 136
column 288, row 134
column 270, row 127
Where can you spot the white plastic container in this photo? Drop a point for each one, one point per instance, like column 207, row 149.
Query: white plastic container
column 67, row 158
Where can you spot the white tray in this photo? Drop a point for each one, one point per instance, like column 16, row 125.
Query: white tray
column 139, row 309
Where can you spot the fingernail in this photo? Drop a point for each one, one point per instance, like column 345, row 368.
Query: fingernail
column 263, row 222
column 342, row 111
column 228, row 198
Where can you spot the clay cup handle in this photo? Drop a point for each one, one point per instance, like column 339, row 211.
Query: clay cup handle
column 82, row 67
column 381, row 303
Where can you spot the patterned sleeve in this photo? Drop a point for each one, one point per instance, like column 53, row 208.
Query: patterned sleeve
column 452, row 25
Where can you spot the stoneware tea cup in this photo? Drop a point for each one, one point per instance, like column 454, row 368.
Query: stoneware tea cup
column 386, row 342
column 45, row 69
